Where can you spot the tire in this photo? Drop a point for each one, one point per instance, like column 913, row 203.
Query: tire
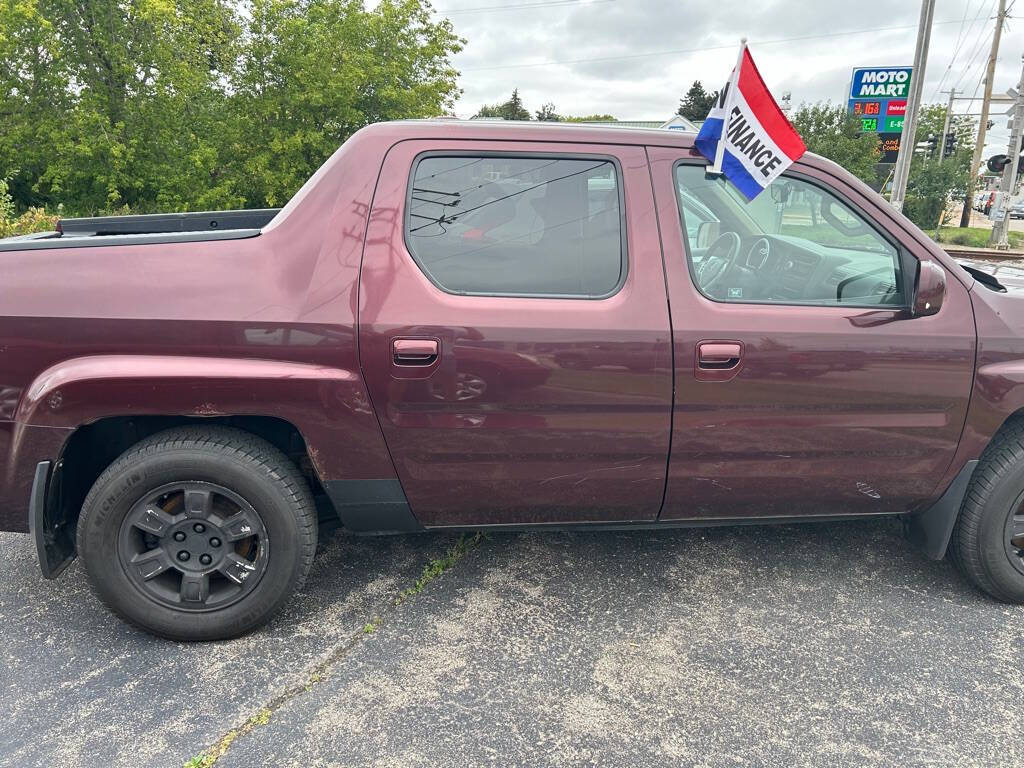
column 983, row 545
column 195, row 495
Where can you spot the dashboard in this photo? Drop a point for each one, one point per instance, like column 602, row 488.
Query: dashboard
column 793, row 270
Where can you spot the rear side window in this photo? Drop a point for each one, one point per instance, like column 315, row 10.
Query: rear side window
column 517, row 226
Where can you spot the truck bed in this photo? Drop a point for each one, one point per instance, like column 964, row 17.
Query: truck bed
column 152, row 228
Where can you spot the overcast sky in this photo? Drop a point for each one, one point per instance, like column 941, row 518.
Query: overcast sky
column 635, row 58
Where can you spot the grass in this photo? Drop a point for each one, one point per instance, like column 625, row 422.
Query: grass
column 439, row 565
column 209, row 757
column 975, row 237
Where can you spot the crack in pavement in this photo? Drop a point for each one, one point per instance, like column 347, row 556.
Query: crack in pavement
column 319, row 672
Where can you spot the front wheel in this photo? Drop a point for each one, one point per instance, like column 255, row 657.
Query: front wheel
column 988, row 539
column 198, row 533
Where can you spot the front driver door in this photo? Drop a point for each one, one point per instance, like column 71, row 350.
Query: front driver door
column 804, row 385
column 514, row 332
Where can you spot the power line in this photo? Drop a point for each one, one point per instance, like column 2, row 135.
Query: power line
column 521, row 6
column 979, row 45
column 961, row 38
column 981, row 70
column 442, row 219
column 678, row 51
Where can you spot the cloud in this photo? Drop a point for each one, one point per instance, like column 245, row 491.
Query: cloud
column 609, row 47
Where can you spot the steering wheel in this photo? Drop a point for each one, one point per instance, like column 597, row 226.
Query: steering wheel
column 718, row 260
column 758, row 254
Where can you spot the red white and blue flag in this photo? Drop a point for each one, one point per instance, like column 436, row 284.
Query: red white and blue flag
column 759, row 141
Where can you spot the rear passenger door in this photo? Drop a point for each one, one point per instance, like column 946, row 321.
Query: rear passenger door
column 514, row 331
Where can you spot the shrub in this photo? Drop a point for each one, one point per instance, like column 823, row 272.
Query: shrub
column 32, row 220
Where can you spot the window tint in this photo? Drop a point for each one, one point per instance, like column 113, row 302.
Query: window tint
column 796, row 243
column 517, row 225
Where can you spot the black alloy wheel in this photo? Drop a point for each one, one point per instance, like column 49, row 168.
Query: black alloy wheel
column 1013, row 535
column 194, row 546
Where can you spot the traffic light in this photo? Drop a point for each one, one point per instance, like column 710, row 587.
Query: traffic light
column 927, row 147
column 997, row 163
column 949, row 146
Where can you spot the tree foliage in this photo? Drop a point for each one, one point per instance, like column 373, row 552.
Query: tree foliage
column 935, row 181
column 830, row 131
column 547, row 113
column 697, row 102
column 512, row 109
column 190, row 104
column 589, row 119
column 32, row 220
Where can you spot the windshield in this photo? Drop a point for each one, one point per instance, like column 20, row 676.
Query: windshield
column 801, row 210
column 789, row 207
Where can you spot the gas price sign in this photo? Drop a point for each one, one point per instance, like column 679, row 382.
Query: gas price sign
column 878, row 100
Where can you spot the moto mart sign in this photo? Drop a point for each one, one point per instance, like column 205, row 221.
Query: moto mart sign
column 878, row 101
column 880, row 83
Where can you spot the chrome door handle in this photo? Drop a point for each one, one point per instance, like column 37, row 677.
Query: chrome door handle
column 719, row 354
column 718, row 360
column 412, row 352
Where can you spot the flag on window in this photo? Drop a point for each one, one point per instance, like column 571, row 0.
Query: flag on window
column 759, row 141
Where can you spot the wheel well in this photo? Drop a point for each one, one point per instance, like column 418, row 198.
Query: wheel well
column 93, row 447
column 1012, row 422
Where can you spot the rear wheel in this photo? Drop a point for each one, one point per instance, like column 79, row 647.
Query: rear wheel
column 988, row 540
column 198, row 533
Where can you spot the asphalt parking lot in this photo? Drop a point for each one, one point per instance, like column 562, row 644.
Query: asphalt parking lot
column 822, row 644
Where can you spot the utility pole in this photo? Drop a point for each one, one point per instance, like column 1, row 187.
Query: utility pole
column 902, row 170
column 1000, row 237
column 949, row 114
column 979, row 146
column 942, row 151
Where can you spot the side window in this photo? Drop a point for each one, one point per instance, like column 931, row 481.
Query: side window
column 796, row 243
column 517, row 226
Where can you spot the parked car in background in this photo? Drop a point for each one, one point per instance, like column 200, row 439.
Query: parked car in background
column 1016, row 210
column 494, row 326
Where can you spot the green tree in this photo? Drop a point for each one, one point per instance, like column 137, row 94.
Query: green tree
column 33, row 93
column 590, row 119
column 697, row 102
column 143, row 90
column 830, row 131
column 935, row 181
column 489, row 110
column 547, row 113
column 315, row 71
column 185, row 104
column 512, row 109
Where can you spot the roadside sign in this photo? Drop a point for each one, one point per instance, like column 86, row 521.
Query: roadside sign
column 878, row 99
column 888, row 147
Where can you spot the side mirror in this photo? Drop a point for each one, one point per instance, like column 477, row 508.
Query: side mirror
column 780, row 192
column 707, row 233
column 929, row 289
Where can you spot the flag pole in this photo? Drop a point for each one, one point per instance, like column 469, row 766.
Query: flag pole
column 733, row 84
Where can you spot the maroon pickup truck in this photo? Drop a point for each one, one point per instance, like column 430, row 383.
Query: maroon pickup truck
column 471, row 325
